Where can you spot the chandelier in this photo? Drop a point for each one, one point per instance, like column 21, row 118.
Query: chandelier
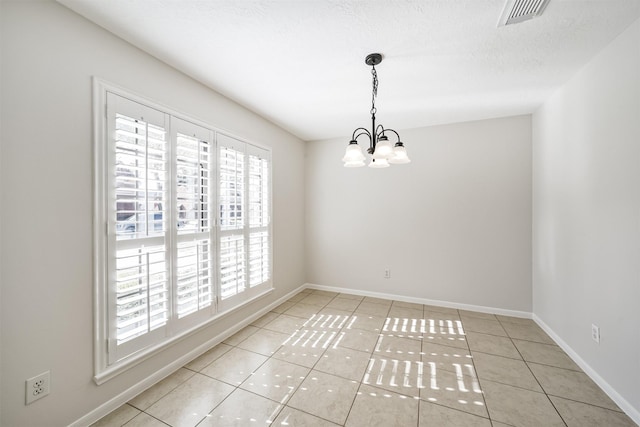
column 380, row 149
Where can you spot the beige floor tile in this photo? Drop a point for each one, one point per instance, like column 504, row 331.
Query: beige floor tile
column 325, row 396
column 445, row 332
column 399, row 376
column 444, row 327
column 430, row 315
column 380, row 301
column 283, row 307
column 545, row 354
column 313, row 338
column 270, row 316
column 571, row 385
column 264, row 342
column 242, row 408
column 371, row 361
column 294, row 418
column 351, row 296
column 392, row 347
column 443, row 310
column 235, row 366
column 241, row 335
column 298, row 297
column 492, row 344
column 190, row 402
column 372, row 308
column 159, row 390
column 303, row 310
column 206, row 358
column 344, row 304
column 405, row 313
column 332, row 317
column 344, row 362
column 328, row 319
column 306, row 346
column 317, row 300
column 144, row 420
column 483, row 326
column 117, row 417
column 374, row 407
column 527, row 332
column 368, row 322
column 285, row 324
column 324, row 293
column 461, row 392
column 518, row 320
column 404, row 327
column 356, row 339
column 448, row 358
column 504, row 370
column 577, row 414
column 411, row 305
column 432, row 415
column 457, row 341
column 466, row 314
column 519, row 407
column 276, row 380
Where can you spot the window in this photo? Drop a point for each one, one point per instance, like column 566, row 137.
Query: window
column 182, row 227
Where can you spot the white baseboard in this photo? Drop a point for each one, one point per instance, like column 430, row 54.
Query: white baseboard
column 480, row 308
column 632, row 412
column 122, row 398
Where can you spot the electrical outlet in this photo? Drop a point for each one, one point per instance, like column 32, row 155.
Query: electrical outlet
column 595, row 333
column 37, row 387
column 387, row 274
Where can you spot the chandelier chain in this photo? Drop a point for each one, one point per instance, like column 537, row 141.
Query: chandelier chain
column 374, row 91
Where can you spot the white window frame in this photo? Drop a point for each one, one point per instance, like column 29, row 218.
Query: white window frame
column 106, row 366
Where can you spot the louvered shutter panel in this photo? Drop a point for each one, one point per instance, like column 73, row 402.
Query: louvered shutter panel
column 259, row 242
column 139, row 265
column 194, row 161
column 231, row 193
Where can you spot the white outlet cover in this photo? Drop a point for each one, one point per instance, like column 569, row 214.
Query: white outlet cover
column 37, row 387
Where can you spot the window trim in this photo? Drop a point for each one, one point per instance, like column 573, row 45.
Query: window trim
column 103, row 370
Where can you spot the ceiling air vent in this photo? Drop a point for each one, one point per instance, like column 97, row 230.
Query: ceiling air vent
column 516, row 11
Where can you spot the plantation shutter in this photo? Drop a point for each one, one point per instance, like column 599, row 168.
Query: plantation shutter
column 231, row 193
column 259, row 216
column 139, row 263
column 188, row 228
column 192, row 210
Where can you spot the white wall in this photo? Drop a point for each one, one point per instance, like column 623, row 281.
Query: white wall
column 454, row 225
column 48, row 57
column 586, row 217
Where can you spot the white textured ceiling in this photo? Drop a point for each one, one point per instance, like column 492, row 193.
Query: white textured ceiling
column 300, row 63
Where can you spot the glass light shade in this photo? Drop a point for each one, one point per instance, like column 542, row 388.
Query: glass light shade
column 353, row 153
column 383, row 148
column 399, row 155
column 355, row 164
column 379, row 163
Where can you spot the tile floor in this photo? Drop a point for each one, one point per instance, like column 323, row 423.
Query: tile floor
column 327, row 359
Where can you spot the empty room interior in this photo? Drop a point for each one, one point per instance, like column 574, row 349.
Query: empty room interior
column 320, row 213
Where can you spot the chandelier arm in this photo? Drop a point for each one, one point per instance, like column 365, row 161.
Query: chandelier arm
column 388, row 130
column 364, row 132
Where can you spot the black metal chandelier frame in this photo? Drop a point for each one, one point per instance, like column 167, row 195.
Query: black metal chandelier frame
column 377, row 134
